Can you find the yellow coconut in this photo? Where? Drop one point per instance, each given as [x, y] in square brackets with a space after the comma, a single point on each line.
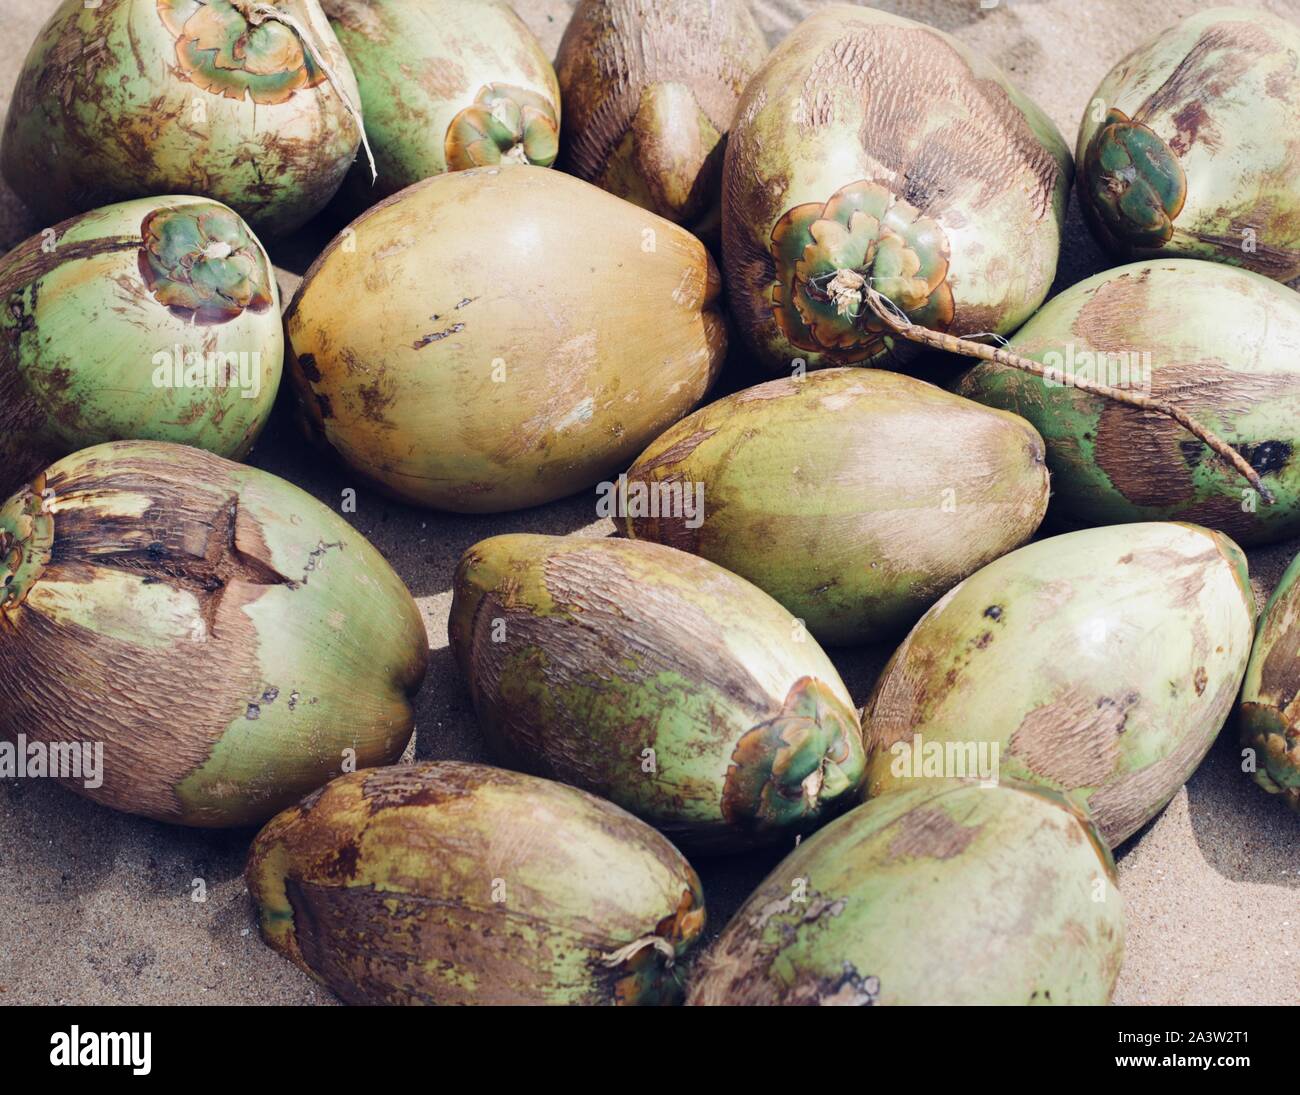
[492, 339]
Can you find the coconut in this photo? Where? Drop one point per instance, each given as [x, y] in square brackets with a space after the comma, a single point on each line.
[1100, 664]
[1188, 146]
[841, 175]
[854, 497]
[462, 884]
[155, 319]
[247, 102]
[445, 86]
[463, 345]
[657, 680]
[650, 90]
[962, 895]
[217, 638]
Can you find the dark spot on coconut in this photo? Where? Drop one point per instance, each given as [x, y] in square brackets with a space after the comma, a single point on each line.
[1189, 122]
[253, 712]
[324, 405]
[437, 336]
[307, 804]
[993, 612]
[1125, 800]
[307, 363]
[849, 988]
[1267, 456]
[376, 397]
[420, 785]
[1192, 450]
[343, 864]
[1199, 680]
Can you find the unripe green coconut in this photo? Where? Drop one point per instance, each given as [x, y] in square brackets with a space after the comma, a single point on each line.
[657, 680]
[156, 319]
[873, 151]
[228, 642]
[248, 102]
[960, 895]
[1222, 345]
[1269, 716]
[462, 884]
[1188, 145]
[1100, 664]
[854, 497]
[445, 85]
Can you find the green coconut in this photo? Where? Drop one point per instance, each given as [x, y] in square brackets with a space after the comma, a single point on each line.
[1188, 146]
[841, 174]
[225, 640]
[658, 680]
[966, 895]
[1268, 712]
[1100, 664]
[1221, 344]
[247, 102]
[155, 319]
[445, 86]
[854, 497]
[462, 884]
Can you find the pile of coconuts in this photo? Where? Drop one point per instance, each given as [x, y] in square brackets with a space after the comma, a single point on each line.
[550, 269]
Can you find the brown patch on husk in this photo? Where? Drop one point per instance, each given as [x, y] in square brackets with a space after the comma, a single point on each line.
[1145, 455]
[1126, 803]
[930, 833]
[1194, 78]
[1074, 741]
[63, 683]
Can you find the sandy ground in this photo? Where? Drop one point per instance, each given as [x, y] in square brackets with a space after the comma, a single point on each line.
[96, 907]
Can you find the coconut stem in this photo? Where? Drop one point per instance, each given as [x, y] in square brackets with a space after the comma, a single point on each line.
[258, 13]
[618, 957]
[896, 320]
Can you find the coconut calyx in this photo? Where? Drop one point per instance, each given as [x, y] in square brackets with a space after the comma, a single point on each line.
[257, 14]
[1136, 183]
[825, 255]
[26, 543]
[202, 263]
[801, 764]
[505, 124]
[646, 970]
